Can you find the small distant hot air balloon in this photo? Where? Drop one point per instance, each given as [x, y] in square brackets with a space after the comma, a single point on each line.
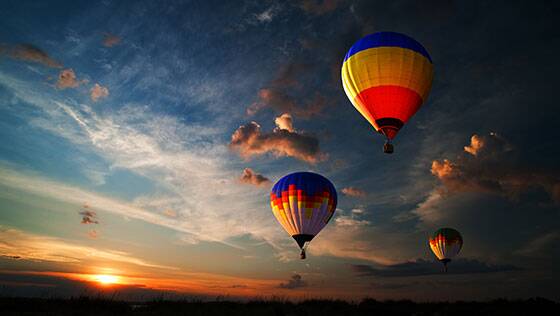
[303, 203]
[387, 76]
[446, 244]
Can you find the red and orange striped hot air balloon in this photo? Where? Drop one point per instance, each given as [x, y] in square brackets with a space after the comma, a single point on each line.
[446, 244]
[387, 76]
[303, 203]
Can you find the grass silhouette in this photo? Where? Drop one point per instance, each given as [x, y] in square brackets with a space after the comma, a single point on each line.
[84, 306]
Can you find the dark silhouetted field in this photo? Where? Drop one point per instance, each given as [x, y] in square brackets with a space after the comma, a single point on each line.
[89, 306]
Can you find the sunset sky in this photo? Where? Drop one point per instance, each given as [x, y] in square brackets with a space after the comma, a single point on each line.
[120, 169]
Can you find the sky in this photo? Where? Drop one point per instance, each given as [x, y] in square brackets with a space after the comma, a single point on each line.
[121, 155]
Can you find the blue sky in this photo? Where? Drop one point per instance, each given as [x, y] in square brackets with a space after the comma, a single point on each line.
[129, 109]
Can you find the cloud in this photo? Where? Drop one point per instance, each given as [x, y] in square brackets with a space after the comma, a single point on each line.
[282, 102]
[98, 92]
[26, 246]
[88, 216]
[354, 192]
[28, 52]
[182, 160]
[541, 246]
[284, 121]
[422, 267]
[170, 213]
[250, 177]
[268, 14]
[142, 286]
[67, 79]
[75, 195]
[248, 141]
[67, 285]
[93, 234]
[493, 180]
[276, 97]
[295, 282]
[319, 7]
[492, 166]
[476, 145]
[349, 236]
[110, 40]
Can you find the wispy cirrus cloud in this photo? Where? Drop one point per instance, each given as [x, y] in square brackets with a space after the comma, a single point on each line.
[350, 236]
[26, 246]
[540, 246]
[182, 160]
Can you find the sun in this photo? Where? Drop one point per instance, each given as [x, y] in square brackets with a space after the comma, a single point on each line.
[106, 279]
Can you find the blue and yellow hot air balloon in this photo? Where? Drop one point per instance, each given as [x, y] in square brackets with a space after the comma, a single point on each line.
[446, 244]
[303, 203]
[387, 76]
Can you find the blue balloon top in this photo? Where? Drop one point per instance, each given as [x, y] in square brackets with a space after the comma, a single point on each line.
[387, 39]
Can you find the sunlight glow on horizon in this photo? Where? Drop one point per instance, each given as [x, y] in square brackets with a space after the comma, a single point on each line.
[106, 279]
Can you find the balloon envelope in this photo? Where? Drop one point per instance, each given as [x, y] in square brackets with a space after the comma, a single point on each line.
[446, 243]
[387, 76]
[303, 203]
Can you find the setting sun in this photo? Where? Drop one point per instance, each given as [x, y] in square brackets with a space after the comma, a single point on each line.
[106, 279]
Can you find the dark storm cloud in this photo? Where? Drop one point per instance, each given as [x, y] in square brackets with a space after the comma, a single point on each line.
[251, 177]
[249, 141]
[424, 267]
[29, 52]
[295, 282]
[490, 164]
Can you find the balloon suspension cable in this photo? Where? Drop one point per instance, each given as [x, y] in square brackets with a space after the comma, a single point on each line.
[302, 254]
[388, 147]
[445, 262]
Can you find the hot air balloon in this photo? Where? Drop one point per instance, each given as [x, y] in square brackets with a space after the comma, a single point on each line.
[387, 76]
[303, 203]
[446, 244]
